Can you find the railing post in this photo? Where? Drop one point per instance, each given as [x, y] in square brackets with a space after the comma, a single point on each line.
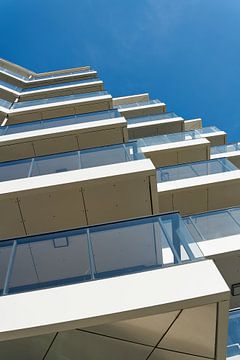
[10, 268]
[91, 256]
[30, 168]
[176, 257]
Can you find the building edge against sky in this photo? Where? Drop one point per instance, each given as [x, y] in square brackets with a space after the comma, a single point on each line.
[120, 225]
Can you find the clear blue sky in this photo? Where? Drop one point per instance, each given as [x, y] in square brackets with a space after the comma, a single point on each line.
[184, 52]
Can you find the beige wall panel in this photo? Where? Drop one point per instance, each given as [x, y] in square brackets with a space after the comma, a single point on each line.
[11, 220]
[28, 116]
[93, 106]
[30, 348]
[193, 153]
[156, 129]
[193, 332]
[223, 195]
[235, 160]
[160, 354]
[76, 345]
[193, 124]
[100, 138]
[55, 145]
[65, 111]
[141, 112]
[147, 330]
[16, 151]
[231, 274]
[190, 201]
[116, 200]
[53, 211]
[163, 157]
[165, 202]
[217, 139]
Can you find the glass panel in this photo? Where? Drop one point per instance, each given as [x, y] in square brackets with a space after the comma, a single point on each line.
[155, 117]
[5, 253]
[62, 75]
[97, 252]
[208, 129]
[50, 164]
[5, 103]
[67, 83]
[10, 86]
[52, 260]
[57, 99]
[169, 138]
[233, 347]
[55, 163]
[225, 148]
[215, 224]
[139, 103]
[61, 121]
[7, 71]
[12, 170]
[189, 170]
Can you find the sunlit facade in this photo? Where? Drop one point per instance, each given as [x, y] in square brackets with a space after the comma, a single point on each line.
[120, 225]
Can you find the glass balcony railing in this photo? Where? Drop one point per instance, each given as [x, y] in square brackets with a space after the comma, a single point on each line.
[208, 130]
[152, 118]
[69, 161]
[61, 74]
[95, 252]
[6, 104]
[169, 138]
[10, 72]
[214, 224]
[225, 148]
[56, 122]
[233, 346]
[137, 104]
[56, 99]
[10, 86]
[190, 170]
[68, 83]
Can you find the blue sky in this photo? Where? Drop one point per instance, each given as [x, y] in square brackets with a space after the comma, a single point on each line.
[184, 52]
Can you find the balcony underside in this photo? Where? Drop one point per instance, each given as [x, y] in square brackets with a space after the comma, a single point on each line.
[135, 317]
[77, 198]
[61, 139]
[200, 194]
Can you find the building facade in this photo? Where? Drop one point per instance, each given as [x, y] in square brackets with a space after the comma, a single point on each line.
[120, 225]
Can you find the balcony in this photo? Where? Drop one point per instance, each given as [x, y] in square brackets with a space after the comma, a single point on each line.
[74, 268]
[26, 111]
[75, 189]
[81, 255]
[11, 92]
[230, 151]
[175, 148]
[233, 347]
[214, 135]
[26, 78]
[67, 133]
[138, 105]
[197, 187]
[151, 125]
[217, 234]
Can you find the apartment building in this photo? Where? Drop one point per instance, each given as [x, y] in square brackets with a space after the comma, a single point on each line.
[120, 225]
